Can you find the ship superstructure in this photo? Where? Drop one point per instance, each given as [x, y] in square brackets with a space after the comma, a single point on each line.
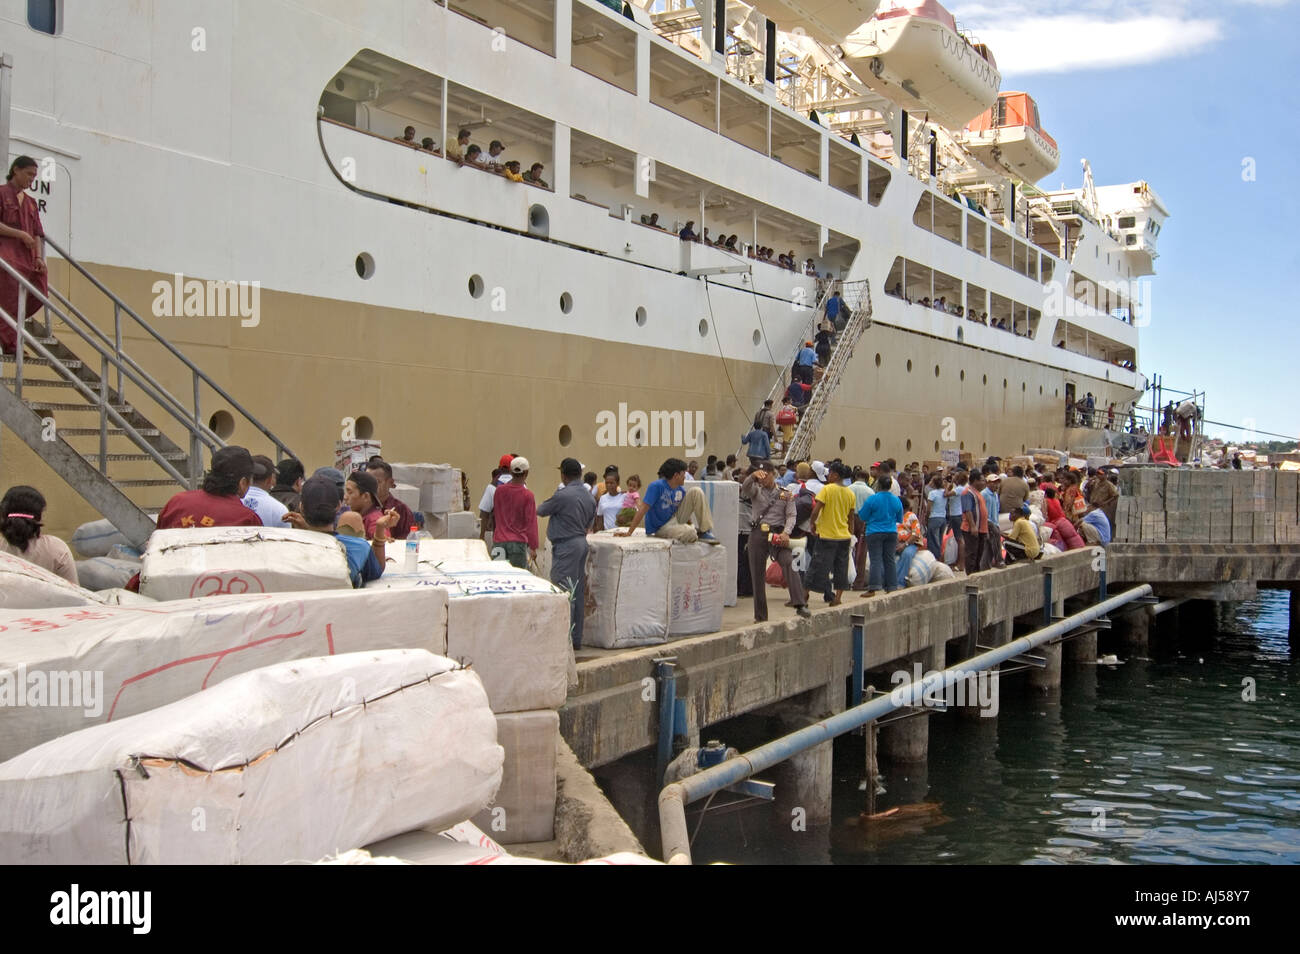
[459, 314]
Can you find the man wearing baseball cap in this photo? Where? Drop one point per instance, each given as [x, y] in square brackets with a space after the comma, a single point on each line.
[571, 510]
[515, 512]
[217, 503]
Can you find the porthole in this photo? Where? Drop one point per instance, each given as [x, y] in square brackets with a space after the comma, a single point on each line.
[566, 303]
[476, 286]
[961, 336]
[1058, 392]
[758, 337]
[909, 365]
[984, 448]
[640, 316]
[909, 443]
[877, 443]
[936, 447]
[221, 424]
[1004, 384]
[963, 374]
[1023, 386]
[877, 359]
[364, 428]
[539, 221]
[365, 264]
[962, 445]
[566, 435]
[986, 380]
[936, 370]
[1040, 390]
[704, 328]
[843, 443]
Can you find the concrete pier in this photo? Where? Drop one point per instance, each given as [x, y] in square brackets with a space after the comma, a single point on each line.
[1081, 650]
[803, 782]
[1048, 678]
[1133, 629]
[905, 738]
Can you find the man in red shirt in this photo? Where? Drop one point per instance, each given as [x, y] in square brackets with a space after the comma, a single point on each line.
[382, 471]
[218, 503]
[974, 524]
[515, 511]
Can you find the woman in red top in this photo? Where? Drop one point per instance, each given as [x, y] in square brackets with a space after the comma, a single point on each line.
[1051, 505]
[22, 246]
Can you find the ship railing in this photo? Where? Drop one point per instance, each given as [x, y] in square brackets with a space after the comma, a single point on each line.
[189, 416]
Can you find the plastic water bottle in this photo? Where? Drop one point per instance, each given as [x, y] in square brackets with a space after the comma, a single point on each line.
[412, 563]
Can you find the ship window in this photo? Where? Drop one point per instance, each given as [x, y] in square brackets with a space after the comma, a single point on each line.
[640, 316]
[476, 286]
[1127, 221]
[843, 443]
[45, 16]
[566, 435]
[566, 303]
[704, 328]
[1130, 240]
[365, 265]
[222, 424]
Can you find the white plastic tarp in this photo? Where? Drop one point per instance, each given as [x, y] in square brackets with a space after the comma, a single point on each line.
[512, 627]
[24, 585]
[524, 807]
[285, 763]
[106, 573]
[724, 504]
[696, 574]
[64, 669]
[627, 590]
[212, 561]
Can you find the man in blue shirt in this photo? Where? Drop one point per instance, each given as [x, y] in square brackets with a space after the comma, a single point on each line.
[833, 307]
[759, 446]
[667, 508]
[992, 501]
[320, 501]
[803, 363]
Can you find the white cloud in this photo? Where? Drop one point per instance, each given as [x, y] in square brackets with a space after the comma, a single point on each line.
[1057, 44]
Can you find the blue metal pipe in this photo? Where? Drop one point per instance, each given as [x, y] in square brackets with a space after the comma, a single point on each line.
[859, 659]
[675, 797]
[666, 677]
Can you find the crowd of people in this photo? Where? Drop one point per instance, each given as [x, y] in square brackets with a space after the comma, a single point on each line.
[467, 153]
[942, 304]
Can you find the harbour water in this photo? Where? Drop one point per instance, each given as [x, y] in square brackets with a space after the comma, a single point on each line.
[1189, 756]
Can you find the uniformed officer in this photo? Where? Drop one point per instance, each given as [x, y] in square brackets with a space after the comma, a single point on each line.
[571, 510]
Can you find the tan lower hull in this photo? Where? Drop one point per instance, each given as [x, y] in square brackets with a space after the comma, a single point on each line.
[448, 389]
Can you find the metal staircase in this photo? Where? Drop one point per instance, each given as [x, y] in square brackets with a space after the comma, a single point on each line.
[47, 383]
[857, 295]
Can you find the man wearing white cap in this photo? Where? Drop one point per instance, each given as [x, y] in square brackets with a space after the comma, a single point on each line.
[515, 511]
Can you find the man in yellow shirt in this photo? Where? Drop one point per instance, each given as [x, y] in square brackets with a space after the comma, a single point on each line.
[830, 521]
[1022, 541]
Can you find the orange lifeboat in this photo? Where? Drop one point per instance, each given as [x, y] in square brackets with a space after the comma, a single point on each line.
[1010, 137]
[913, 55]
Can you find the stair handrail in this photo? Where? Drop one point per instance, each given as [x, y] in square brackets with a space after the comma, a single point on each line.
[198, 373]
[859, 321]
[105, 407]
[109, 355]
[805, 332]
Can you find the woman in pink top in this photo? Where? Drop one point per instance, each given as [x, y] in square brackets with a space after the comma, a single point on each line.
[1064, 536]
[22, 245]
[20, 533]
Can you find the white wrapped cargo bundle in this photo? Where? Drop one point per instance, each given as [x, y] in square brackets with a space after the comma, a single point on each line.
[98, 537]
[926, 569]
[463, 844]
[452, 553]
[524, 807]
[24, 585]
[63, 670]
[512, 627]
[462, 525]
[627, 590]
[121, 597]
[180, 564]
[439, 484]
[106, 573]
[284, 763]
[724, 504]
[695, 577]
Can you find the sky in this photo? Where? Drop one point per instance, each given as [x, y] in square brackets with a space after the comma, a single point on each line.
[1182, 93]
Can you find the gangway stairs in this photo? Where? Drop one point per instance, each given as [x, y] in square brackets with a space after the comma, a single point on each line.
[857, 296]
[82, 409]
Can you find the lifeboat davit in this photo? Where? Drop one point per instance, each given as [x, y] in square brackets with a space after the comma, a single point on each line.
[913, 55]
[829, 21]
[1010, 137]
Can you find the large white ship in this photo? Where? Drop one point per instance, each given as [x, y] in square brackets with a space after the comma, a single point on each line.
[456, 314]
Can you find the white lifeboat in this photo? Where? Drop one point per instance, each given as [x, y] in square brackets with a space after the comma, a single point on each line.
[829, 21]
[1011, 138]
[913, 55]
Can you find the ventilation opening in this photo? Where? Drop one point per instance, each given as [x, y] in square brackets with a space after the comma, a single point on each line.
[758, 337]
[640, 316]
[222, 424]
[476, 286]
[704, 328]
[365, 265]
[877, 443]
[365, 428]
[566, 303]
[539, 221]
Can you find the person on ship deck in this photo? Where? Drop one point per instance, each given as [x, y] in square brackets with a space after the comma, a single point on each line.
[22, 246]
